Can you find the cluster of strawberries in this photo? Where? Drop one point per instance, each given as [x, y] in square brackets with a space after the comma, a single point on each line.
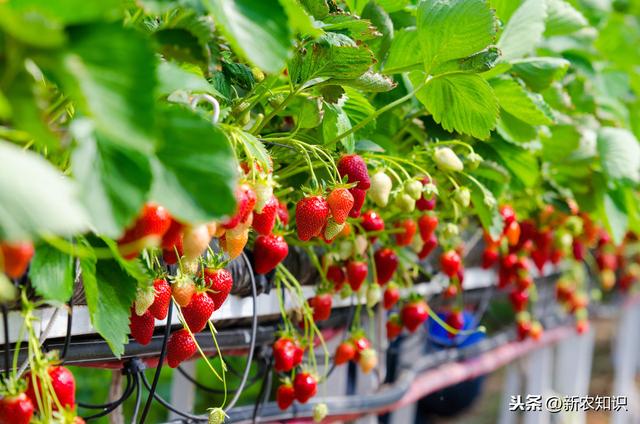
[288, 353]
[19, 405]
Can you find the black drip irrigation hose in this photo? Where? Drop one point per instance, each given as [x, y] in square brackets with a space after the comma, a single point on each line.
[7, 343]
[265, 389]
[67, 338]
[111, 406]
[136, 409]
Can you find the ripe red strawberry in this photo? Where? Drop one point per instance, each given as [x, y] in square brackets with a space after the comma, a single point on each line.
[311, 216]
[198, 311]
[358, 201]
[428, 246]
[305, 386]
[345, 352]
[335, 274]
[508, 214]
[519, 300]
[147, 231]
[394, 327]
[285, 395]
[356, 274]
[340, 202]
[512, 233]
[423, 203]
[172, 255]
[283, 214]
[234, 241]
[386, 262]
[361, 343]
[62, 382]
[450, 262]
[183, 289]
[180, 347]
[141, 327]
[321, 305]
[450, 291]
[406, 238]
[16, 409]
[15, 258]
[162, 296]
[355, 169]
[264, 222]
[523, 328]
[219, 283]
[413, 314]
[172, 236]
[372, 221]
[579, 250]
[245, 202]
[489, 257]
[455, 319]
[427, 224]
[268, 252]
[391, 296]
[298, 353]
[582, 326]
[284, 354]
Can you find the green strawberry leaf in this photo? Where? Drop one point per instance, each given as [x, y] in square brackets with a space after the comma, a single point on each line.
[523, 31]
[539, 72]
[453, 29]
[51, 273]
[619, 154]
[110, 292]
[520, 103]
[460, 102]
[40, 201]
[563, 18]
[257, 29]
[193, 160]
[114, 180]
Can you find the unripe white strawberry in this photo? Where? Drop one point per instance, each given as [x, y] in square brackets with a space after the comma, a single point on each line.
[462, 195]
[405, 203]
[216, 416]
[320, 411]
[368, 360]
[264, 191]
[345, 249]
[374, 294]
[447, 160]
[195, 241]
[8, 291]
[361, 244]
[144, 298]
[380, 188]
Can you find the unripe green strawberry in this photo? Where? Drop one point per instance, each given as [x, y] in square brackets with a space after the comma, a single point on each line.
[474, 161]
[413, 188]
[332, 229]
[320, 411]
[144, 298]
[447, 160]
[345, 249]
[405, 203]
[462, 196]
[380, 188]
[8, 291]
[216, 416]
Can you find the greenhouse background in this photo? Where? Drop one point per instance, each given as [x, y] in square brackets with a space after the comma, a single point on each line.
[381, 211]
